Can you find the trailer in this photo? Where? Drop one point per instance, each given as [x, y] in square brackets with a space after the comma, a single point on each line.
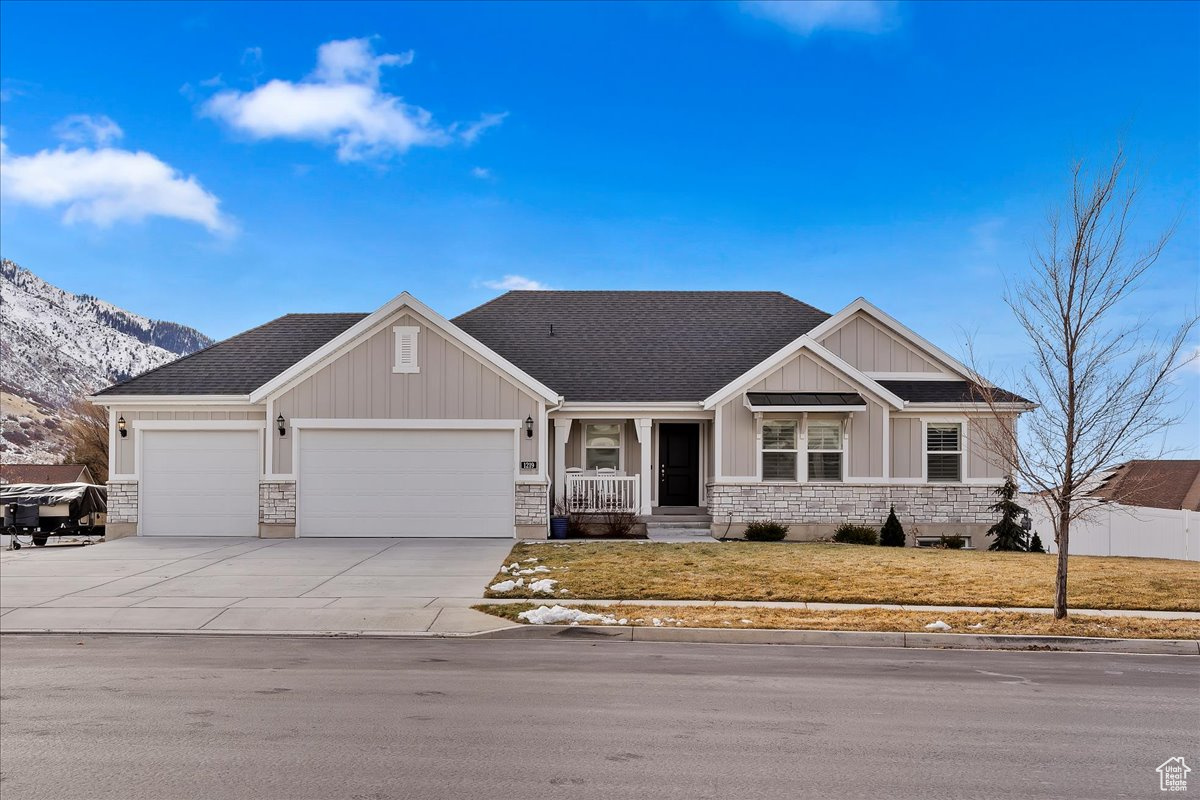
[42, 510]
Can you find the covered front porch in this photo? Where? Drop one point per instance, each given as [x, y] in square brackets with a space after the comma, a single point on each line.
[605, 460]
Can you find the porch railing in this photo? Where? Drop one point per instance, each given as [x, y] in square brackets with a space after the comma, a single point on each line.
[596, 494]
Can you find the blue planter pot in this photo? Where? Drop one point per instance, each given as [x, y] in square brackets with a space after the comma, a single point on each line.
[558, 527]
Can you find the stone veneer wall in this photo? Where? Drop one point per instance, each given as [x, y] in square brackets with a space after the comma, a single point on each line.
[277, 502]
[533, 504]
[122, 502]
[831, 503]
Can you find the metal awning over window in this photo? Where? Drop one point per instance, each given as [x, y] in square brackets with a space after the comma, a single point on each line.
[805, 401]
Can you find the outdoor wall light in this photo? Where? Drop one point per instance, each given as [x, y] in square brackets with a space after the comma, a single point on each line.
[1026, 522]
[280, 423]
[529, 427]
[121, 426]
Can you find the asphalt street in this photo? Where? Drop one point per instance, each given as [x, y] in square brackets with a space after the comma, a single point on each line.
[161, 718]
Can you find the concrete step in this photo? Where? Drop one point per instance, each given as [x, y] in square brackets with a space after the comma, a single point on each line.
[674, 522]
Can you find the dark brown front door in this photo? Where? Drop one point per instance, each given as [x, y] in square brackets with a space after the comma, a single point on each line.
[678, 464]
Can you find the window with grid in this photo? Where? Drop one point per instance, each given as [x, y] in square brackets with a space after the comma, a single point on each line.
[943, 452]
[824, 451]
[602, 445]
[779, 450]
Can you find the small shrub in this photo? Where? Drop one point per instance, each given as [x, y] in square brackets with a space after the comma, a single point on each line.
[619, 524]
[952, 542]
[575, 527]
[855, 534]
[1035, 544]
[892, 534]
[766, 531]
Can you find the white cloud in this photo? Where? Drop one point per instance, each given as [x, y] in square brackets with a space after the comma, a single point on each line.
[519, 282]
[806, 17]
[483, 173]
[88, 129]
[341, 103]
[471, 131]
[107, 185]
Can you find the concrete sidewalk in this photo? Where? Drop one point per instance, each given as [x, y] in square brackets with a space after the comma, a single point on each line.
[404, 586]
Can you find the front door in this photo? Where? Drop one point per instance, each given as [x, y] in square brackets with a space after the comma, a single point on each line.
[678, 464]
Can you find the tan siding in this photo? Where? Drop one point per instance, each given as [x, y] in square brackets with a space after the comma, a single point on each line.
[866, 441]
[871, 348]
[980, 462]
[453, 383]
[907, 449]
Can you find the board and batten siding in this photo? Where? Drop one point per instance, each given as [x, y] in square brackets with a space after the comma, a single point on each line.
[864, 344]
[123, 458]
[802, 373]
[453, 383]
[908, 447]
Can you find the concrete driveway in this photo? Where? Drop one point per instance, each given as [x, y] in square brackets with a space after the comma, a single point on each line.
[233, 584]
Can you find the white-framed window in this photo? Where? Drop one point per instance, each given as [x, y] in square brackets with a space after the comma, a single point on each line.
[943, 452]
[779, 449]
[602, 445]
[406, 348]
[825, 451]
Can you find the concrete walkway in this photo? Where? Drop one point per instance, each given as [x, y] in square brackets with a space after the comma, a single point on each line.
[415, 586]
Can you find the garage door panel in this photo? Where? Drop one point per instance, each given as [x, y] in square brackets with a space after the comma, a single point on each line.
[199, 483]
[406, 483]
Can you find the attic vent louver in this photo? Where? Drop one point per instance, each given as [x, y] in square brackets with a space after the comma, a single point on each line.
[406, 348]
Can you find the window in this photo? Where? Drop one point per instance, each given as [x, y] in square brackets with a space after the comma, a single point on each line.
[778, 450]
[824, 451]
[943, 451]
[602, 445]
[406, 348]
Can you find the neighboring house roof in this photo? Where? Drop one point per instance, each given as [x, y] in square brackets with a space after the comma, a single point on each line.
[1161, 483]
[45, 473]
[240, 364]
[946, 392]
[630, 346]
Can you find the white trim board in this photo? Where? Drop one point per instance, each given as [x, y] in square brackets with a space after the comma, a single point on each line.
[379, 319]
[198, 424]
[410, 424]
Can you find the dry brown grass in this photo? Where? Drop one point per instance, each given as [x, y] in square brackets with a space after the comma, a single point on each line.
[854, 574]
[878, 619]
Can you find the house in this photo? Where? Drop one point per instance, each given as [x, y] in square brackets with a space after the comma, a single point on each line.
[1144, 508]
[45, 473]
[733, 405]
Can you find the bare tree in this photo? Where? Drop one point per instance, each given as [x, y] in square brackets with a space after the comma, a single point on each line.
[87, 438]
[1102, 386]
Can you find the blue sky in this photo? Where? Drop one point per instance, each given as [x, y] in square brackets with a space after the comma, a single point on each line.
[905, 152]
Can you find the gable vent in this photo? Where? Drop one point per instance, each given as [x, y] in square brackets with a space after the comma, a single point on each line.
[406, 348]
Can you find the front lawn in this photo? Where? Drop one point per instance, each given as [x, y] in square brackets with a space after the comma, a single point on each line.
[847, 574]
[875, 619]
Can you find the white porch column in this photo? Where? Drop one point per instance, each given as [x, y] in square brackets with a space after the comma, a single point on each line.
[562, 432]
[643, 426]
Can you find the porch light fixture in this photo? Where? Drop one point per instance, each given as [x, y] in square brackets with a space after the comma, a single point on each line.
[529, 427]
[1026, 522]
[280, 423]
[121, 426]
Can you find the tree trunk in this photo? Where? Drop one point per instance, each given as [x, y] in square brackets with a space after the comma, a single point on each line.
[1062, 537]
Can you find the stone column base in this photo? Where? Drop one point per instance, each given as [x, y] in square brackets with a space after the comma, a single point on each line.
[269, 531]
[119, 530]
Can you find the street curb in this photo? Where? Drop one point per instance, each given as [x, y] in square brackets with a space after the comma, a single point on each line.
[956, 641]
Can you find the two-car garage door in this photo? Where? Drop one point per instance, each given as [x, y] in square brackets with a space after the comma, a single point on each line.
[349, 482]
[418, 482]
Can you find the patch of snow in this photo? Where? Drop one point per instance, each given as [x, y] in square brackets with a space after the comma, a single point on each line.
[556, 615]
[544, 586]
[507, 586]
[977, 625]
[746, 621]
[530, 561]
[937, 626]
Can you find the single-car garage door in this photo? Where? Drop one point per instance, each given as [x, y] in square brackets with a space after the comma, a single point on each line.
[199, 482]
[405, 482]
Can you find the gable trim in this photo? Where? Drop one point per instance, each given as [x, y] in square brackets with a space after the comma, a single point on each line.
[804, 342]
[363, 329]
[894, 326]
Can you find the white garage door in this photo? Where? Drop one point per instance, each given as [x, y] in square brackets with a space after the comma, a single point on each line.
[405, 482]
[199, 483]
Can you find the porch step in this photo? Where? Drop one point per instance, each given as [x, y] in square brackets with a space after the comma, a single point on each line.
[689, 523]
[679, 519]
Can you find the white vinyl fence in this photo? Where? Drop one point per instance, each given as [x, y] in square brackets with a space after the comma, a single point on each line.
[1111, 529]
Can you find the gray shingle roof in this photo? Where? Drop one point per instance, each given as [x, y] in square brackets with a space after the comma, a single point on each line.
[612, 346]
[944, 392]
[242, 363]
[784, 399]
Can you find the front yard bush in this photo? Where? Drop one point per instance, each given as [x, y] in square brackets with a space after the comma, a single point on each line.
[855, 534]
[952, 542]
[892, 534]
[766, 531]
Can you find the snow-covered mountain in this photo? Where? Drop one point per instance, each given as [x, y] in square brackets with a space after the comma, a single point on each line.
[56, 347]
